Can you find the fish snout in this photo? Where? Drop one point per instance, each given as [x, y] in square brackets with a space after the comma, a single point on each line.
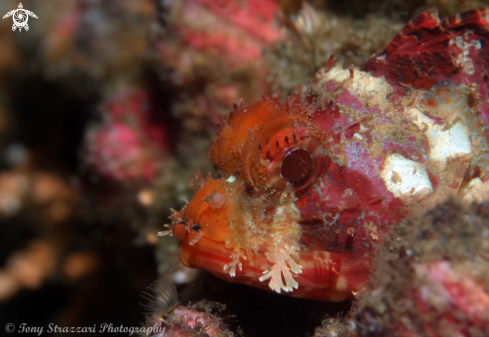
[207, 215]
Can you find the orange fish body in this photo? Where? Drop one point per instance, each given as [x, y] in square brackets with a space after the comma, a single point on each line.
[309, 185]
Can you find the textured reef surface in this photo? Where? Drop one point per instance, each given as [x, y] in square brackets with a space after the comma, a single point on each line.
[323, 165]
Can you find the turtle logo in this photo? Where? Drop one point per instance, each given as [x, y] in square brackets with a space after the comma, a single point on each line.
[20, 16]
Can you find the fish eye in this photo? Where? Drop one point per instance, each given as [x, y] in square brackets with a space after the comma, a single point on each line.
[290, 160]
[296, 168]
[296, 165]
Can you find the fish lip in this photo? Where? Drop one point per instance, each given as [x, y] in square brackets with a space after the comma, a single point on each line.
[213, 256]
[204, 244]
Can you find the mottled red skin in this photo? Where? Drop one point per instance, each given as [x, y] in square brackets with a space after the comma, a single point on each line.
[347, 204]
[421, 55]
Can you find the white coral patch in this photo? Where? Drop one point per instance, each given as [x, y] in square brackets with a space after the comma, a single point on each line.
[476, 191]
[453, 142]
[337, 74]
[405, 177]
[357, 137]
[363, 85]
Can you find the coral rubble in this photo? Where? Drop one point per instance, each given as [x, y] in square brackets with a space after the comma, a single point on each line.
[432, 279]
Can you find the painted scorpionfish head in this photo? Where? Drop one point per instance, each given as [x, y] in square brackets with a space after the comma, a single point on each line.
[307, 187]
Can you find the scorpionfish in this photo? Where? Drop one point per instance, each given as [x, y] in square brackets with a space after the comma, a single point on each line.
[305, 188]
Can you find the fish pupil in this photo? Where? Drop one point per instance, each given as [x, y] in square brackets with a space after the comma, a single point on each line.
[297, 165]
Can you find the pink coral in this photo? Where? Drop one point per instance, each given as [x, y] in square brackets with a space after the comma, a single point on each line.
[435, 281]
[177, 320]
[450, 289]
[118, 152]
[213, 51]
[239, 31]
[128, 146]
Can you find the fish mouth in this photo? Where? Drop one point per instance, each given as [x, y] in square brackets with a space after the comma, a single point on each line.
[317, 281]
[198, 251]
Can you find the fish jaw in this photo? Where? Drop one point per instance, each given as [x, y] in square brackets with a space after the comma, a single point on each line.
[208, 242]
[325, 276]
[215, 258]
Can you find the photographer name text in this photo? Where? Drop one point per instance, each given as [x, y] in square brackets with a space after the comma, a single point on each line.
[102, 328]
